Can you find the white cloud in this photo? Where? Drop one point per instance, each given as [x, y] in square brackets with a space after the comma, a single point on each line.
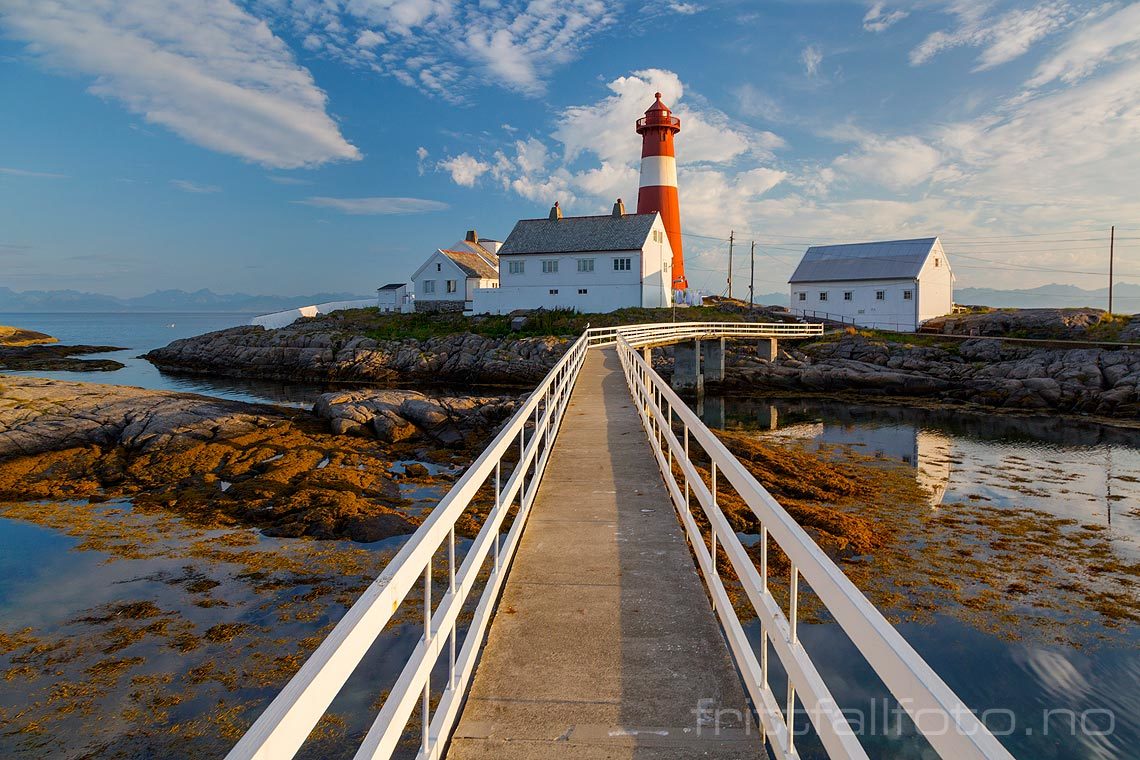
[1115, 38]
[896, 163]
[187, 186]
[11, 172]
[685, 9]
[464, 169]
[811, 58]
[447, 48]
[1002, 37]
[878, 20]
[205, 69]
[376, 206]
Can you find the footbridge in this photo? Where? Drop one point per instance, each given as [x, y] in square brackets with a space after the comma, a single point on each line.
[597, 613]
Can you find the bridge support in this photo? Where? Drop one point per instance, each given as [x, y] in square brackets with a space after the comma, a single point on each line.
[712, 360]
[647, 354]
[767, 349]
[687, 367]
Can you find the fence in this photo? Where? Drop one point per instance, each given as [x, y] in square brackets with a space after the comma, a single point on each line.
[959, 735]
[281, 730]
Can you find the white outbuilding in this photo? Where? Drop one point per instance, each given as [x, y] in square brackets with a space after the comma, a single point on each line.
[394, 298]
[587, 263]
[890, 285]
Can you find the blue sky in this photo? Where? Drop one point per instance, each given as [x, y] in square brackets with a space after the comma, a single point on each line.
[289, 146]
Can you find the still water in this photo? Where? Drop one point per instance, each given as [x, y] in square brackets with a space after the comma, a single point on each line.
[1074, 695]
[140, 333]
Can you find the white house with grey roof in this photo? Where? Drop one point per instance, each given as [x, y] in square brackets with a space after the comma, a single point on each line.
[586, 263]
[891, 285]
[447, 281]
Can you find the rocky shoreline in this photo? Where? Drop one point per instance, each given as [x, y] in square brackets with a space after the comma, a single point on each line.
[287, 472]
[310, 352]
[991, 373]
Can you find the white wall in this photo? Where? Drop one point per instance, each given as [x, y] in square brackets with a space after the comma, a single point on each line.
[646, 283]
[439, 269]
[893, 312]
[393, 300]
[289, 316]
[936, 286]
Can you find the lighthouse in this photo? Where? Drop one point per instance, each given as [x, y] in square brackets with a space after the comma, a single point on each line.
[658, 189]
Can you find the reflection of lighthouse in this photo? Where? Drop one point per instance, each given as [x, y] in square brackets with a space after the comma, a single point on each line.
[658, 191]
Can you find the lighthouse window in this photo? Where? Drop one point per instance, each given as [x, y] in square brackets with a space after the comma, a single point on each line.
[622, 265]
[550, 266]
[585, 265]
[516, 267]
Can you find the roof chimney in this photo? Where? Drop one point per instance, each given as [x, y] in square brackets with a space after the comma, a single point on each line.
[555, 212]
[619, 208]
[472, 236]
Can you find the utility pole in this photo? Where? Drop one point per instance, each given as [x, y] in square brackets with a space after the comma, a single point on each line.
[752, 278]
[1111, 251]
[731, 237]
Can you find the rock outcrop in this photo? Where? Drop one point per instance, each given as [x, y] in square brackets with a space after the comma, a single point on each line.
[53, 358]
[310, 352]
[17, 336]
[396, 415]
[1061, 324]
[990, 372]
[228, 462]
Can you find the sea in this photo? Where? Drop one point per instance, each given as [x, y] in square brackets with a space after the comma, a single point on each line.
[137, 334]
[1049, 692]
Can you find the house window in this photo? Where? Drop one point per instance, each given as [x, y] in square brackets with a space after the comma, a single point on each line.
[516, 267]
[802, 295]
[908, 295]
[429, 286]
[582, 291]
[880, 295]
[554, 291]
[550, 266]
[439, 267]
[937, 262]
[823, 295]
[451, 286]
[658, 236]
[622, 265]
[585, 265]
[848, 295]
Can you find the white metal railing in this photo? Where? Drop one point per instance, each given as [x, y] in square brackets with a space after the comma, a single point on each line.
[950, 727]
[673, 332]
[281, 730]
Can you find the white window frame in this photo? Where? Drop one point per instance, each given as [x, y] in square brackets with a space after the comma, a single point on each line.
[823, 295]
[880, 295]
[848, 295]
[429, 286]
[585, 265]
[623, 264]
[516, 267]
[452, 286]
[908, 295]
[802, 295]
[554, 291]
[550, 266]
[582, 291]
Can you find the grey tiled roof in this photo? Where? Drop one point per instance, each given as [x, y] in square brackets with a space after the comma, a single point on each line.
[472, 264]
[572, 234]
[883, 260]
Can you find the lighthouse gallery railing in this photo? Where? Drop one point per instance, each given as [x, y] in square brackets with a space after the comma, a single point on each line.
[283, 727]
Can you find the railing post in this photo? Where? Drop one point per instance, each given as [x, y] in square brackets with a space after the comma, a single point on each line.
[793, 610]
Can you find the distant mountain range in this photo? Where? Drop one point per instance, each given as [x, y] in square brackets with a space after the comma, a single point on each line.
[1126, 299]
[40, 301]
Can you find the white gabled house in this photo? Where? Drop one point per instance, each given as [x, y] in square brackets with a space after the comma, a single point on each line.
[891, 285]
[586, 263]
[447, 281]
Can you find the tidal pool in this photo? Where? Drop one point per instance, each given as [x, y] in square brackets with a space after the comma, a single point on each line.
[1015, 576]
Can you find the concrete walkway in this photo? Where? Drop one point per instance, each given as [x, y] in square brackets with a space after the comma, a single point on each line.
[604, 644]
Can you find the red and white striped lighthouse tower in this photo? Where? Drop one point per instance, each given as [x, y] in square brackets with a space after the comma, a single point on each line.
[658, 191]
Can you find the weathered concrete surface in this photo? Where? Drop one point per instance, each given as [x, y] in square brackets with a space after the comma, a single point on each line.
[604, 643]
[687, 375]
